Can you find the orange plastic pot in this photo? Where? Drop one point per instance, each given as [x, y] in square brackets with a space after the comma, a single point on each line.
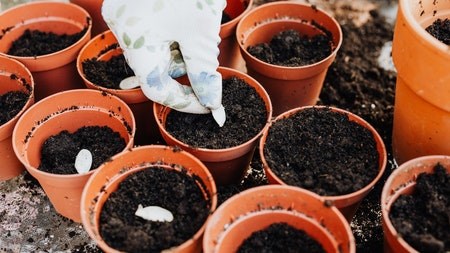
[109, 175]
[69, 110]
[94, 7]
[229, 164]
[402, 182]
[288, 87]
[257, 208]
[14, 76]
[53, 72]
[103, 47]
[230, 55]
[422, 104]
[348, 203]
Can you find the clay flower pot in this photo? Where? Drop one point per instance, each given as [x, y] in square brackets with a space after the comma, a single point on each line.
[111, 174]
[346, 203]
[94, 7]
[288, 87]
[229, 164]
[230, 55]
[257, 208]
[402, 182]
[14, 76]
[69, 110]
[56, 71]
[422, 107]
[103, 47]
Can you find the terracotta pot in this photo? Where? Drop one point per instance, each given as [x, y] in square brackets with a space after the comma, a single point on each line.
[230, 55]
[56, 71]
[69, 110]
[103, 47]
[288, 87]
[257, 208]
[10, 165]
[109, 175]
[229, 164]
[94, 7]
[422, 104]
[348, 203]
[402, 181]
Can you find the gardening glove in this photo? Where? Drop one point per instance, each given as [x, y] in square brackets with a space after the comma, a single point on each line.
[153, 32]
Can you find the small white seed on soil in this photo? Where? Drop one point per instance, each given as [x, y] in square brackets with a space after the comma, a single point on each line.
[129, 83]
[154, 213]
[83, 161]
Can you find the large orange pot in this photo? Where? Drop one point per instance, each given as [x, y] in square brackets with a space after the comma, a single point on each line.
[69, 110]
[422, 104]
[257, 208]
[347, 203]
[227, 165]
[107, 178]
[14, 76]
[94, 7]
[56, 71]
[288, 87]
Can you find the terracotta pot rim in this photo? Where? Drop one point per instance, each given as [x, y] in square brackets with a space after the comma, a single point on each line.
[419, 31]
[27, 5]
[293, 20]
[389, 196]
[234, 21]
[378, 140]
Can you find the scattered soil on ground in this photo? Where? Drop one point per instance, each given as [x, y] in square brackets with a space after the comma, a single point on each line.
[422, 218]
[35, 43]
[292, 49]
[246, 116]
[170, 189]
[440, 29]
[280, 237]
[108, 73]
[59, 151]
[11, 103]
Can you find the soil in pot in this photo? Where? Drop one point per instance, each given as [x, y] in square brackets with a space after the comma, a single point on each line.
[35, 43]
[246, 116]
[108, 73]
[170, 189]
[322, 151]
[422, 217]
[11, 103]
[59, 151]
[292, 49]
[440, 29]
[225, 18]
[280, 237]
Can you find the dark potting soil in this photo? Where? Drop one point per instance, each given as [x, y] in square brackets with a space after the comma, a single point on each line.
[422, 218]
[59, 151]
[292, 49]
[322, 151]
[440, 29]
[280, 237]
[170, 189]
[246, 116]
[10, 104]
[108, 73]
[36, 43]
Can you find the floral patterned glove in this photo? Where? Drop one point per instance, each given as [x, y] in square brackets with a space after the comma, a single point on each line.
[150, 33]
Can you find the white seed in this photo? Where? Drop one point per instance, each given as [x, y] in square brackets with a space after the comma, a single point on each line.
[83, 161]
[129, 83]
[154, 213]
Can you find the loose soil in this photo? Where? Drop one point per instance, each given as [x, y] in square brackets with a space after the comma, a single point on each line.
[108, 73]
[11, 103]
[170, 189]
[292, 49]
[440, 29]
[35, 43]
[280, 237]
[59, 151]
[422, 218]
[322, 151]
[246, 116]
